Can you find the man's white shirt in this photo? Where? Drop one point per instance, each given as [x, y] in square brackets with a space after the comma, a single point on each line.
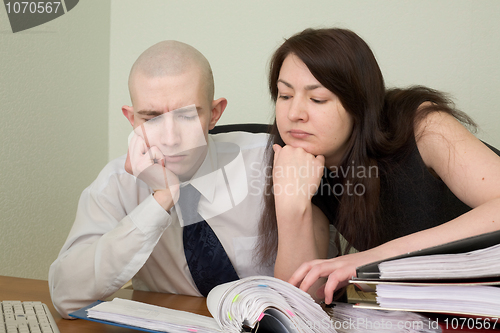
[122, 233]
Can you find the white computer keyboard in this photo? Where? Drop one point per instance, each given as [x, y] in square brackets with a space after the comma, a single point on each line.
[26, 317]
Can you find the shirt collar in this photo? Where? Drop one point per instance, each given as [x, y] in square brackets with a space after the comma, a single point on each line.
[203, 180]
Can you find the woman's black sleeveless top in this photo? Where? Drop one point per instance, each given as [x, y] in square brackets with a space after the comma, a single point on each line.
[411, 199]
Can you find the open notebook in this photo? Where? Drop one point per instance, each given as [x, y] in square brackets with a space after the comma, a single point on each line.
[258, 304]
[261, 303]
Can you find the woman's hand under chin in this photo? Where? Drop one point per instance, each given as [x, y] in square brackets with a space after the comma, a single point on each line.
[296, 173]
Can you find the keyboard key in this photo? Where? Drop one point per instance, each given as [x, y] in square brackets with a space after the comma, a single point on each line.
[26, 317]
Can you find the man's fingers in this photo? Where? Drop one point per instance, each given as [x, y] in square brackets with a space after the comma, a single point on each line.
[145, 136]
[136, 141]
[128, 164]
[148, 164]
[136, 151]
[155, 155]
[171, 181]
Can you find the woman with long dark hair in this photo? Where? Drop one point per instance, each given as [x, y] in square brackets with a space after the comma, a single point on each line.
[392, 170]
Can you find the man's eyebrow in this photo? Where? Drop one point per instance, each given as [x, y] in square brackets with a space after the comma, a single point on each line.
[309, 87]
[187, 109]
[149, 112]
[159, 113]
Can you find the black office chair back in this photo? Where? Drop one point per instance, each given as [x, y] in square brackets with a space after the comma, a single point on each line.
[252, 128]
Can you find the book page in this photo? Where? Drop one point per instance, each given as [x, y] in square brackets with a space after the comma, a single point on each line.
[475, 264]
[152, 317]
[473, 300]
[461, 246]
[215, 296]
[352, 319]
[246, 302]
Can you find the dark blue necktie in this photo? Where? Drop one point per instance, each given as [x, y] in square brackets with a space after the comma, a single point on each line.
[206, 258]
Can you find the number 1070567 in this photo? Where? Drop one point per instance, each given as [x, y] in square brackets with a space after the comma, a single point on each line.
[471, 323]
[32, 7]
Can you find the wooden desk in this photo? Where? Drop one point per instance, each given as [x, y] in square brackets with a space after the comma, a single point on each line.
[12, 288]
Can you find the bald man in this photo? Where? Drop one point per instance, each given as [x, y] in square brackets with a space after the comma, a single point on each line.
[132, 220]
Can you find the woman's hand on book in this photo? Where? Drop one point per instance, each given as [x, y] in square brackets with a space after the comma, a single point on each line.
[338, 271]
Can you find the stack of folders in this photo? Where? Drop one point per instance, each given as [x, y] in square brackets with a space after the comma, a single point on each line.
[460, 278]
[258, 304]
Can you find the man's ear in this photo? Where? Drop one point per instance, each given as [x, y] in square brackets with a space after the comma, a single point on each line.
[128, 112]
[218, 107]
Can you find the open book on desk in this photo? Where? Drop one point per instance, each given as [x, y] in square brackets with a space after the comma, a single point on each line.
[258, 304]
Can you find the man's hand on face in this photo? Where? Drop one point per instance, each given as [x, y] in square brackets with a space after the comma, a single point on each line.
[148, 164]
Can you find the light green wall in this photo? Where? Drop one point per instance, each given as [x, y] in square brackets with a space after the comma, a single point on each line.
[53, 130]
[451, 45]
[62, 85]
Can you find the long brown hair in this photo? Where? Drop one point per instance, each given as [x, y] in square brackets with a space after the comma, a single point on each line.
[383, 127]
